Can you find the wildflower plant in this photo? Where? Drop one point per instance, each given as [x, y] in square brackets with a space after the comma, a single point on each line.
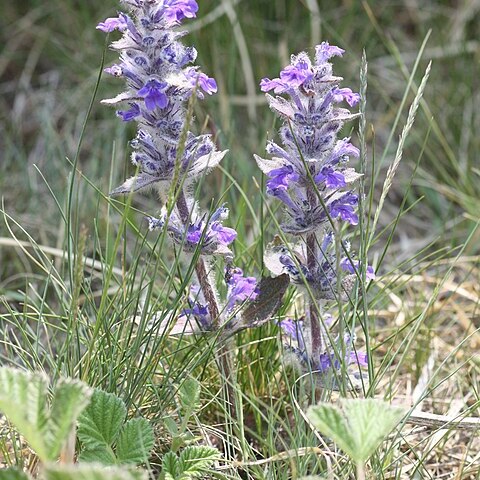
[309, 174]
[162, 85]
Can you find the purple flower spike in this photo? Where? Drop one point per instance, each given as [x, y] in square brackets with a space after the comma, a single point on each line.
[177, 10]
[306, 102]
[154, 93]
[113, 23]
[160, 77]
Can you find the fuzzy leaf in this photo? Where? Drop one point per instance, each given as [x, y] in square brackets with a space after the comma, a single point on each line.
[360, 428]
[329, 420]
[23, 400]
[268, 301]
[13, 473]
[189, 394]
[133, 184]
[135, 441]
[281, 106]
[100, 454]
[171, 425]
[206, 162]
[195, 460]
[100, 423]
[170, 466]
[266, 165]
[121, 97]
[92, 472]
[370, 421]
[70, 399]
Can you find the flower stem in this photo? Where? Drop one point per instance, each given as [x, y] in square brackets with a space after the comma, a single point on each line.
[315, 325]
[224, 357]
[314, 313]
[200, 267]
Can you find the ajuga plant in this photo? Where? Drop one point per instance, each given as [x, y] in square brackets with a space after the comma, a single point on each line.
[309, 174]
[162, 85]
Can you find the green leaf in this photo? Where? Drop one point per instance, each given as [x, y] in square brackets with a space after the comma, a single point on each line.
[195, 460]
[13, 473]
[171, 425]
[70, 399]
[100, 454]
[370, 420]
[170, 466]
[360, 428]
[135, 441]
[100, 423]
[23, 400]
[329, 420]
[178, 442]
[92, 472]
[189, 394]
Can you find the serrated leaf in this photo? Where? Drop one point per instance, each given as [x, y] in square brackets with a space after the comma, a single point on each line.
[194, 460]
[13, 473]
[370, 420]
[23, 400]
[329, 420]
[100, 454]
[92, 472]
[101, 421]
[360, 428]
[189, 394]
[135, 441]
[170, 466]
[70, 399]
